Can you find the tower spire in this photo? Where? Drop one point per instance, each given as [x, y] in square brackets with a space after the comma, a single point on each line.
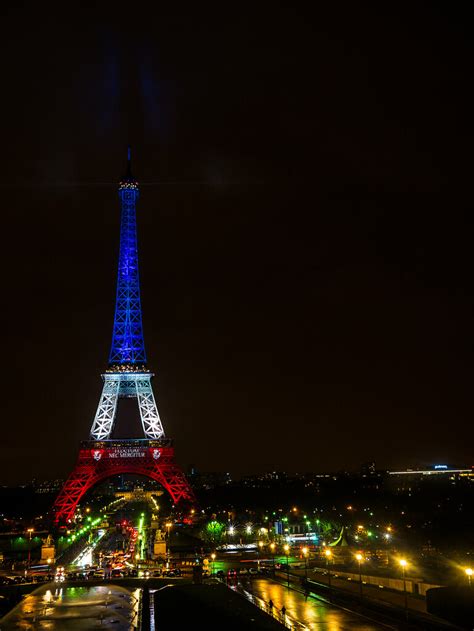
[128, 173]
[128, 346]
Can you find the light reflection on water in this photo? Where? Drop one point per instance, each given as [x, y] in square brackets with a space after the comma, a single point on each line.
[52, 608]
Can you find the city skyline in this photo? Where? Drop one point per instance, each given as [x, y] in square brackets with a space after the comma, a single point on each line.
[306, 275]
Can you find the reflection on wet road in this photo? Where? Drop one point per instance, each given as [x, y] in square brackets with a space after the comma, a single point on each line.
[313, 613]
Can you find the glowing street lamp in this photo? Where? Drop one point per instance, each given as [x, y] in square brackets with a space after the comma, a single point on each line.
[360, 559]
[213, 557]
[286, 548]
[403, 563]
[328, 554]
[469, 572]
[168, 527]
[260, 546]
[272, 548]
[305, 554]
[30, 531]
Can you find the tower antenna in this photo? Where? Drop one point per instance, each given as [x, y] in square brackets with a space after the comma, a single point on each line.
[129, 163]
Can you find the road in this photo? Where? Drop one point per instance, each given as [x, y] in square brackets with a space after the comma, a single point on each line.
[312, 613]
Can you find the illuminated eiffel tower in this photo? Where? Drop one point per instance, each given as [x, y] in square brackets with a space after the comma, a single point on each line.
[126, 376]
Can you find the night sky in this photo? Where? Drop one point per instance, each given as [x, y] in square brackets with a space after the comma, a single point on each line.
[305, 229]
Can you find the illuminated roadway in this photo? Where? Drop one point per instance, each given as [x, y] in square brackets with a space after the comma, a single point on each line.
[371, 592]
[313, 613]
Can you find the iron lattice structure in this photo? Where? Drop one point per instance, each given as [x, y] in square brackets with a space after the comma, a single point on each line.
[99, 460]
[126, 376]
[128, 346]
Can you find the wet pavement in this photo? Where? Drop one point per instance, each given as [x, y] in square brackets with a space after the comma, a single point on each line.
[311, 612]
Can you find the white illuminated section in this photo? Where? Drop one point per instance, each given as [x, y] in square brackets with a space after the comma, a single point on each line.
[130, 385]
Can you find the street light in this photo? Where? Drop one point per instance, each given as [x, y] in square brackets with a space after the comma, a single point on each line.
[360, 559]
[404, 563]
[328, 555]
[286, 548]
[260, 546]
[469, 572]
[272, 548]
[305, 554]
[213, 557]
[168, 526]
[30, 531]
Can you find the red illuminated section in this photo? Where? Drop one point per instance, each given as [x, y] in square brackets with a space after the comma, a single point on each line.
[97, 461]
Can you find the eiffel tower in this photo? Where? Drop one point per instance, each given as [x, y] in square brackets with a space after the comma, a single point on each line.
[126, 376]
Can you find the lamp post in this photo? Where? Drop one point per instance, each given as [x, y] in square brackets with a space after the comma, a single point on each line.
[30, 531]
[272, 548]
[286, 548]
[327, 554]
[360, 558]
[213, 557]
[260, 546]
[469, 572]
[403, 563]
[305, 554]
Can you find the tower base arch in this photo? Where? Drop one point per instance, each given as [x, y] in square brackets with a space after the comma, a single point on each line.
[99, 460]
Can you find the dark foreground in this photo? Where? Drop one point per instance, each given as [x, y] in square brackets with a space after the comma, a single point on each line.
[213, 607]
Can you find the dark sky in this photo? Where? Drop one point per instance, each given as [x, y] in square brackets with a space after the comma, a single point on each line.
[305, 229]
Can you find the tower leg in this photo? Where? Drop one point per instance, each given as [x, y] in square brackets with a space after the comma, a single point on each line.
[82, 478]
[170, 476]
[105, 415]
[148, 411]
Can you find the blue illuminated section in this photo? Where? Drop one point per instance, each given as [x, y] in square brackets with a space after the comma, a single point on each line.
[128, 346]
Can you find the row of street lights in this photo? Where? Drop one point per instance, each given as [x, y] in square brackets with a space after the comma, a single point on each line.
[403, 564]
[328, 554]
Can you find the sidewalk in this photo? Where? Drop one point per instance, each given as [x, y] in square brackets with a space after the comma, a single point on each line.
[370, 591]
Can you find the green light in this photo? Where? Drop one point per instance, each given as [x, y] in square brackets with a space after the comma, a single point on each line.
[369, 534]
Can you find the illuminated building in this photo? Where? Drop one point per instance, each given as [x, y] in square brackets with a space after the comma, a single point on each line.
[127, 376]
